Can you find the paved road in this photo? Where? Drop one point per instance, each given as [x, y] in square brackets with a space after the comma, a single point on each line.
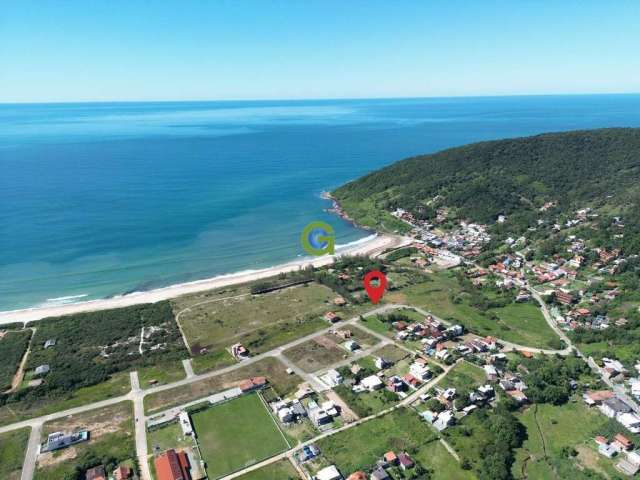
[29, 465]
[140, 426]
[188, 367]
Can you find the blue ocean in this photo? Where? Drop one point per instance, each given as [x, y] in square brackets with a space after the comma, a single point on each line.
[101, 199]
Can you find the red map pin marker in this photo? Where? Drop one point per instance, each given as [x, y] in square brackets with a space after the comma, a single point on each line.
[375, 292]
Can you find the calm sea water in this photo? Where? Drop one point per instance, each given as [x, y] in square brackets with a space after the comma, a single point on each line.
[101, 199]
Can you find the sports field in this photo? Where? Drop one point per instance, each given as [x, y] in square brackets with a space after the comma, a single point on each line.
[237, 434]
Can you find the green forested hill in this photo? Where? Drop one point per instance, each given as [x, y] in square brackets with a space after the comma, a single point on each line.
[513, 177]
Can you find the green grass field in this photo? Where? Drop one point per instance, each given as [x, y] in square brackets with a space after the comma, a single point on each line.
[280, 470]
[549, 429]
[13, 446]
[464, 375]
[521, 323]
[360, 447]
[237, 434]
[166, 437]
[161, 374]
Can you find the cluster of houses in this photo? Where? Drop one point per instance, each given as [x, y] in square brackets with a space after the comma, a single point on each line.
[380, 470]
[620, 445]
[123, 472]
[614, 407]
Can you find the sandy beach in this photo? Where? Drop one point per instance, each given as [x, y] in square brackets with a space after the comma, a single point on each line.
[370, 247]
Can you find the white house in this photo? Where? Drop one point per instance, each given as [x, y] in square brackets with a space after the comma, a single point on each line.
[185, 423]
[351, 346]
[631, 421]
[372, 383]
[421, 372]
[332, 378]
[329, 473]
[444, 420]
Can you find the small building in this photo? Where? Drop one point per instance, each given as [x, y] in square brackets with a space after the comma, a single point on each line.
[491, 372]
[621, 442]
[359, 475]
[381, 363]
[339, 301]
[122, 473]
[50, 343]
[333, 378]
[406, 462]
[597, 397]
[607, 450]
[331, 317]
[254, 383]
[614, 407]
[329, 473]
[96, 473]
[391, 458]
[42, 369]
[380, 474]
[372, 383]
[351, 345]
[239, 351]
[185, 423]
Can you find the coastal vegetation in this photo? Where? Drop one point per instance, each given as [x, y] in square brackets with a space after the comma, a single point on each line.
[85, 352]
[13, 345]
[513, 177]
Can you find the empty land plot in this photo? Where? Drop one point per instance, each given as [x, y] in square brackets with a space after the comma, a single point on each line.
[280, 470]
[260, 322]
[237, 434]
[271, 368]
[317, 353]
[13, 446]
[110, 437]
[464, 375]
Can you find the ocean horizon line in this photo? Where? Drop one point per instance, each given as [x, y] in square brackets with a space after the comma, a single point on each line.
[318, 99]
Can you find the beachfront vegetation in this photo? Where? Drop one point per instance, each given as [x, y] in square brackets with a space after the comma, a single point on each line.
[236, 434]
[13, 345]
[90, 348]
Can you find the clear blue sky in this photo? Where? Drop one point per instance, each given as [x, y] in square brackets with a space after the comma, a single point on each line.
[79, 50]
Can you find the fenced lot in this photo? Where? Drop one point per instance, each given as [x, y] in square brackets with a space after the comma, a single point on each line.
[236, 434]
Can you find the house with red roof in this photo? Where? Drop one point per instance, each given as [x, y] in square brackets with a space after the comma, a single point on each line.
[172, 465]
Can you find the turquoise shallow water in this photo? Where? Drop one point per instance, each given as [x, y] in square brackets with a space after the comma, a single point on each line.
[102, 199]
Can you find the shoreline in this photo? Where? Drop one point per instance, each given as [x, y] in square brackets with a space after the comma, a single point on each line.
[372, 247]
